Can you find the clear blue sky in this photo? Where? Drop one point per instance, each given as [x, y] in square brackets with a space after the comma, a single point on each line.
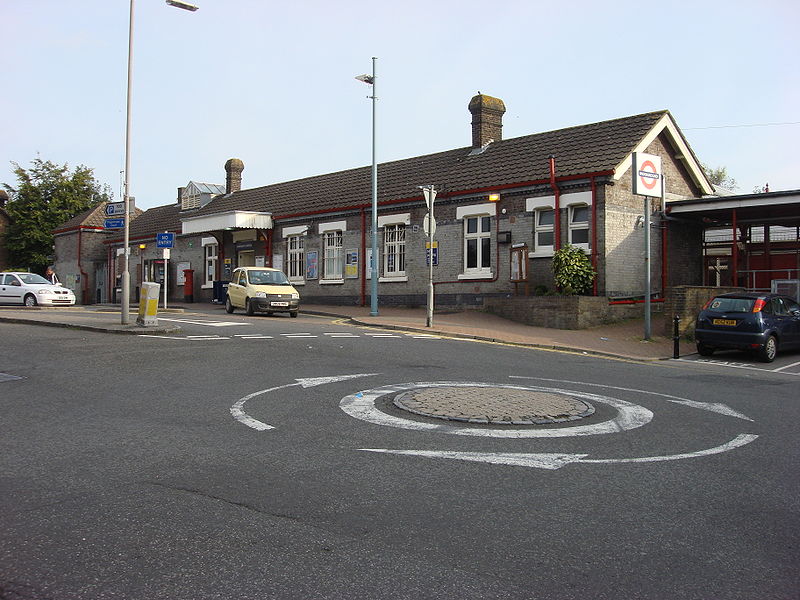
[273, 82]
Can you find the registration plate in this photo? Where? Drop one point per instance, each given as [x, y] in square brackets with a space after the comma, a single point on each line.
[725, 322]
[279, 304]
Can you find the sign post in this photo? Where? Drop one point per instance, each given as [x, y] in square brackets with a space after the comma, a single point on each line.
[648, 181]
[165, 241]
[429, 192]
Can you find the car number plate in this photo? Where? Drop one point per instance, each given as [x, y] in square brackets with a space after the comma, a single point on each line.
[279, 303]
[726, 322]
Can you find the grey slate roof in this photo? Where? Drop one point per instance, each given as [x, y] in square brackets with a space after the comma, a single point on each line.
[580, 150]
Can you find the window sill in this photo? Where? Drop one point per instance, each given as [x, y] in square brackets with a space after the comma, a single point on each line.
[331, 281]
[543, 254]
[297, 281]
[398, 279]
[476, 275]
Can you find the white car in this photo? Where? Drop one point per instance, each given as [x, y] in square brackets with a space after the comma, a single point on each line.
[31, 289]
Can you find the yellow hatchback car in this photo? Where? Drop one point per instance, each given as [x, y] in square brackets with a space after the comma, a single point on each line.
[261, 289]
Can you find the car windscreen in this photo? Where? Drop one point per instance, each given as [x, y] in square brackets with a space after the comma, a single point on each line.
[742, 305]
[267, 278]
[33, 278]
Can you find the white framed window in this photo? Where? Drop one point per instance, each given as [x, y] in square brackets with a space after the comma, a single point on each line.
[394, 250]
[478, 245]
[210, 257]
[296, 261]
[543, 230]
[332, 257]
[579, 226]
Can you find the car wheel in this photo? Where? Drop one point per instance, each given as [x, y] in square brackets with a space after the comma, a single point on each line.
[248, 307]
[30, 300]
[704, 350]
[228, 305]
[769, 350]
[293, 314]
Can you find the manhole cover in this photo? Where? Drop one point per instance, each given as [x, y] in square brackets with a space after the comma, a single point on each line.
[496, 406]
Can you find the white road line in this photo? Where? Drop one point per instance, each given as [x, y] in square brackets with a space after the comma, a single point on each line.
[426, 336]
[298, 335]
[184, 338]
[361, 405]
[254, 337]
[786, 367]
[718, 407]
[7, 377]
[209, 323]
[556, 461]
[342, 335]
[733, 365]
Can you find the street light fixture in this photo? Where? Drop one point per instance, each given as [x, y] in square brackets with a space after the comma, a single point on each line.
[126, 275]
[370, 80]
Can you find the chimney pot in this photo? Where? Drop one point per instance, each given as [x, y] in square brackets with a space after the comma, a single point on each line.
[487, 119]
[233, 175]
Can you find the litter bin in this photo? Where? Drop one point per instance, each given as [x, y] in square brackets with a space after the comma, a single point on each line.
[117, 295]
[220, 292]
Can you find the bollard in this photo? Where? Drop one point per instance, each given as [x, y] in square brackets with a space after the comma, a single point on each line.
[676, 337]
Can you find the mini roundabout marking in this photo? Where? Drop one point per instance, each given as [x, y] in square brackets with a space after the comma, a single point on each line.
[363, 406]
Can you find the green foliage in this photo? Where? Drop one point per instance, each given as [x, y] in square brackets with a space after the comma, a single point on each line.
[720, 177]
[46, 196]
[572, 270]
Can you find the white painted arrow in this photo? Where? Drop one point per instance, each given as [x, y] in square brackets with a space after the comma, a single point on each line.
[716, 407]
[556, 461]
[237, 410]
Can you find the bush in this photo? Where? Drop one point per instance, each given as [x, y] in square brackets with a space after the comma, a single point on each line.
[572, 270]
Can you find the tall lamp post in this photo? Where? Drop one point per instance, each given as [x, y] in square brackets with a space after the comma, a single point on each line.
[370, 80]
[126, 275]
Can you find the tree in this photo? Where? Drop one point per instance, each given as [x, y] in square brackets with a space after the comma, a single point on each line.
[572, 270]
[46, 196]
[720, 177]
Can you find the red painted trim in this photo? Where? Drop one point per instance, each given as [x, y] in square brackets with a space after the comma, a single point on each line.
[557, 205]
[664, 257]
[634, 301]
[734, 251]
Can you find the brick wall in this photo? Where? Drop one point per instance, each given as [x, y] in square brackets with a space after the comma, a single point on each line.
[562, 312]
[686, 301]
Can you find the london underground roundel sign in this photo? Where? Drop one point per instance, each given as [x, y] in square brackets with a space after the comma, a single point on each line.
[647, 175]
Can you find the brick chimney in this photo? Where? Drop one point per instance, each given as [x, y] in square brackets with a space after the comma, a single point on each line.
[233, 175]
[487, 119]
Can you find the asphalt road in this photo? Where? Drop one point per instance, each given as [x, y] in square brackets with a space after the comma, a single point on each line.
[225, 466]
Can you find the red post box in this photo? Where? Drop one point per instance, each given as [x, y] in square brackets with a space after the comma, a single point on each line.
[188, 285]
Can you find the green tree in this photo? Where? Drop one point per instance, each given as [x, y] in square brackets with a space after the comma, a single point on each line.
[572, 270]
[46, 195]
[720, 177]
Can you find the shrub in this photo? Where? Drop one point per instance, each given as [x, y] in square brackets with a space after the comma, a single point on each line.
[572, 270]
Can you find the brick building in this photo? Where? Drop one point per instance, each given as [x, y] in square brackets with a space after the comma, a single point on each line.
[496, 197]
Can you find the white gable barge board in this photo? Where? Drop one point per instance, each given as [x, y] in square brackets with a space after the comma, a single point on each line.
[729, 202]
[237, 219]
[676, 137]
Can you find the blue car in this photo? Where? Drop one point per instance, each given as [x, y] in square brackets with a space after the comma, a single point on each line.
[761, 323]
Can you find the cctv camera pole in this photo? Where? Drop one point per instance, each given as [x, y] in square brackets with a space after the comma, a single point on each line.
[429, 192]
[126, 276]
[374, 271]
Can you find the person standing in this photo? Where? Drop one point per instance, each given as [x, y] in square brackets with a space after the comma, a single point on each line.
[51, 276]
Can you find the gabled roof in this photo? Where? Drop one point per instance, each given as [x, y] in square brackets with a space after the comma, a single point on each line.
[598, 148]
[93, 218]
[156, 220]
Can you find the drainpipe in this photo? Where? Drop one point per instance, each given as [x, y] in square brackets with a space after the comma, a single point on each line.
[664, 269]
[594, 235]
[735, 252]
[84, 278]
[557, 211]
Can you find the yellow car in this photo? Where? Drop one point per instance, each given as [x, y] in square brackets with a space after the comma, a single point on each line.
[263, 290]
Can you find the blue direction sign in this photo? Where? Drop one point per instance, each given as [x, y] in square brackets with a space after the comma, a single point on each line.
[165, 240]
[114, 223]
[115, 208]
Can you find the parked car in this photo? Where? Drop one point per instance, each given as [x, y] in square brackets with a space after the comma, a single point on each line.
[261, 289]
[31, 289]
[762, 323]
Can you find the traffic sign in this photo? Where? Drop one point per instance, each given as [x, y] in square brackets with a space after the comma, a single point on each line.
[165, 240]
[429, 225]
[114, 223]
[114, 209]
[430, 195]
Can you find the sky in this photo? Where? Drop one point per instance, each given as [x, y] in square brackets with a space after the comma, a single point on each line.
[272, 83]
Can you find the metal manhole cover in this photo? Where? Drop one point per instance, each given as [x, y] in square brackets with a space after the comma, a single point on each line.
[495, 406]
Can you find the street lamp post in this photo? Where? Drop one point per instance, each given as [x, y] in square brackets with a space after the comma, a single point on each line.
[126, 275]
[370, 80]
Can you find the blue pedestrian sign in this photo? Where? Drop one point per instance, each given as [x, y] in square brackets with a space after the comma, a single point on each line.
[165, 240]
[114, 223]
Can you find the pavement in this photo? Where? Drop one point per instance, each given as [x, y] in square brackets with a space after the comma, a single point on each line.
[622, 340]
